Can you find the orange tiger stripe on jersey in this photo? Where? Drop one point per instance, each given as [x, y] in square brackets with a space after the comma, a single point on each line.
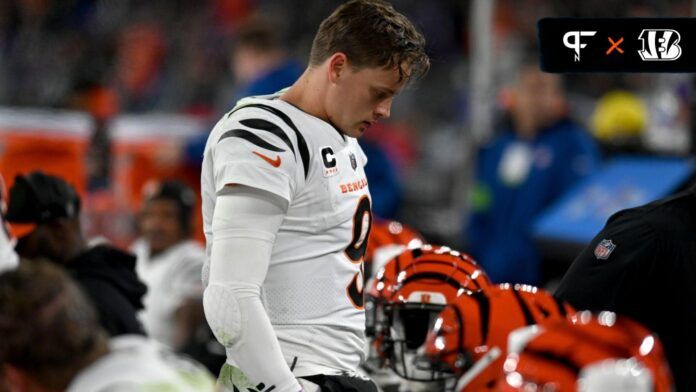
[476, 326]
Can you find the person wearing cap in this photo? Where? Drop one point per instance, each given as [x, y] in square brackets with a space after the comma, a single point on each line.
[169, 262]
[44, 213]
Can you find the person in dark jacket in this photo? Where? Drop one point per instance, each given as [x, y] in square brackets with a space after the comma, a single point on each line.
[642, 265]
[44, 212]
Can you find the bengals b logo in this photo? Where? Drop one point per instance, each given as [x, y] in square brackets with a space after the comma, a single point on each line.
[660, 45]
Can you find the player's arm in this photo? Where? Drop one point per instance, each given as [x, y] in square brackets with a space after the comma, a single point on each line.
[245, 223]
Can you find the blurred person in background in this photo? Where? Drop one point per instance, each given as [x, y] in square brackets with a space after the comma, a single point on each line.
[52, 341]
[44, 213]
[260, 61]
[522, 171]
[169, 262]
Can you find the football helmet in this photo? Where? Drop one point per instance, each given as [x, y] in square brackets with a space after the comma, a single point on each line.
[469, 338]
[408, 294]
[591, 352]
[388, 239]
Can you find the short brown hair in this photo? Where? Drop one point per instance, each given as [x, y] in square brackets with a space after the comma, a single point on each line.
[372, 34]
[48, 328]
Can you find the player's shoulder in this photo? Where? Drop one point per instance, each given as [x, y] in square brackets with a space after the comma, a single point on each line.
[268, 123]
[661, 214]
[261, 110]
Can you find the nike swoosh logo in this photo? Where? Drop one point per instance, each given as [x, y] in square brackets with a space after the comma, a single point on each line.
[274, 162]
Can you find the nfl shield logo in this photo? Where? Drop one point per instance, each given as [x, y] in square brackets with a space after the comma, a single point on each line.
[353, 162]
[604, 249]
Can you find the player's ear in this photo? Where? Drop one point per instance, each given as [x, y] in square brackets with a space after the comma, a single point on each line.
[337, 65]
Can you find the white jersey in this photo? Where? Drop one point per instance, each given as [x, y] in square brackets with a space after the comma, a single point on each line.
[135, 363]
[313, 288]
[172, 277]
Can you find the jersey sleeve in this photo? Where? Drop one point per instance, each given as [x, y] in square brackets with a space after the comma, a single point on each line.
[255, 150]
[609, 273]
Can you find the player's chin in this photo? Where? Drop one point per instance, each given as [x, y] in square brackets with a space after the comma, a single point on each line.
[354, 132]
[360, 129]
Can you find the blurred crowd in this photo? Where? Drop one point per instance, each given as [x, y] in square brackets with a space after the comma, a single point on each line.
[134, 207]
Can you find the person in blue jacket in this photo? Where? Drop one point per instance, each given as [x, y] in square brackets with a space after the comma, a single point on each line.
[532, 162]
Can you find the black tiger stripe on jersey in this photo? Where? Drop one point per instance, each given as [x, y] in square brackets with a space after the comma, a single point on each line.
[251, 138]
[257, 123]
[301, 143]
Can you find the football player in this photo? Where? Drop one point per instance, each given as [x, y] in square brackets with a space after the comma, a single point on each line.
[286, 205]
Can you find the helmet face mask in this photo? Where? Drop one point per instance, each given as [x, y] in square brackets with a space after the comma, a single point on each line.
[409, 326]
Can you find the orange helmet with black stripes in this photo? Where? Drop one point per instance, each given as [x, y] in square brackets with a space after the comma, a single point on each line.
[469, 338]
[387, 239]
[467, 270]
[409, 292]
[591, 352]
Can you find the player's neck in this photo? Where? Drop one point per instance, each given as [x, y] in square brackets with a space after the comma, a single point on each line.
[307, 94]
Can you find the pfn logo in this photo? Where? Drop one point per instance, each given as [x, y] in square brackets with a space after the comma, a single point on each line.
[660, 45]
[575, 44]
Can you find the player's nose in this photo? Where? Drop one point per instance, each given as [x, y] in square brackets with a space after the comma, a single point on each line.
[383, 109]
